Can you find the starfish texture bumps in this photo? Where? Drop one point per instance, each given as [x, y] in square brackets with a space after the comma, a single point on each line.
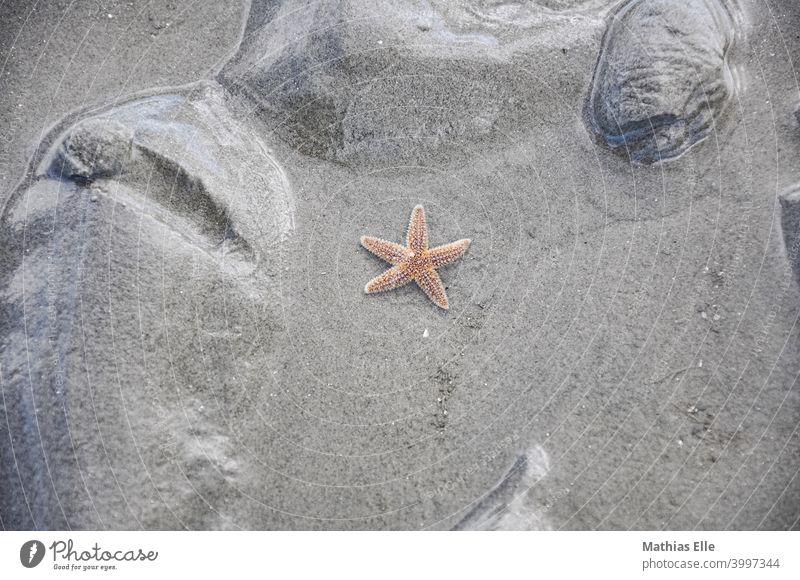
[414, 261]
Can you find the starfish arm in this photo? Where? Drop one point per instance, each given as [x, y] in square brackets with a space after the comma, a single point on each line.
[430, 282]
[449, 253]
[389, 251]
[417, 231]
[394, 277]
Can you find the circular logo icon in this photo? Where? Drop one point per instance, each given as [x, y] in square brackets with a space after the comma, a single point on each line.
[31, 553]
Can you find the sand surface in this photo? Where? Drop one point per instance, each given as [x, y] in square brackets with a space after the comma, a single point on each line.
[621, 349]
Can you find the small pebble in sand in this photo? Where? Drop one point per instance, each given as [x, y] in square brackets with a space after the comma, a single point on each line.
[425, 333]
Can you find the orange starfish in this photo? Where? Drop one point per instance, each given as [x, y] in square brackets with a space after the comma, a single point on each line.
[414, 261]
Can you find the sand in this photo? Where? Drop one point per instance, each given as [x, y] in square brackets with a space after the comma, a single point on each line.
[621, 348]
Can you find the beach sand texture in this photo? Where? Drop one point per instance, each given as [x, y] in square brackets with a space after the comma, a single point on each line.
[186, 340]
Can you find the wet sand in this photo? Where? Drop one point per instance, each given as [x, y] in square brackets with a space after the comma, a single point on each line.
[620, 352]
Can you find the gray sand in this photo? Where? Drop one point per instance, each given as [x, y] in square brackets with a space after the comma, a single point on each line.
[621, 349]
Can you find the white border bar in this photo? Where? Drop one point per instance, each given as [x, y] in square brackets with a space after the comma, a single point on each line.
[409, 555]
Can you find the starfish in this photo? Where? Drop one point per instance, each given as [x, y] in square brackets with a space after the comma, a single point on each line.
[414, 261]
